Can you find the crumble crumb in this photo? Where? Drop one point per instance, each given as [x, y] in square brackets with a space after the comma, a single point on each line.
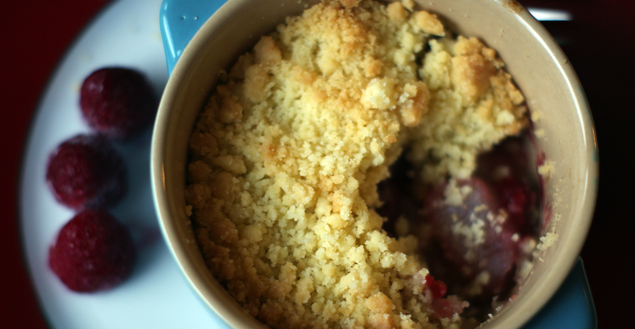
[547, 241]
[546, 170]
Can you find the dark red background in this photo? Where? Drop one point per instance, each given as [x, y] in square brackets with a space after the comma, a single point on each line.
[600, 42]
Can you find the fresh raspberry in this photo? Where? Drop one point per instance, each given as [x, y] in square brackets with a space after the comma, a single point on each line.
[93, 251]
[118, 102]
[87, 172]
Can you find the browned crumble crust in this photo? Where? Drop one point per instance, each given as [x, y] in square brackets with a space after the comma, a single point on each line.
[287, 154]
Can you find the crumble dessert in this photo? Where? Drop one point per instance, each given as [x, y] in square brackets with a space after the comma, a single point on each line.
[286, 157]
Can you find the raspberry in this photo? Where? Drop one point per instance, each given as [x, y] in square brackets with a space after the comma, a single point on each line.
[118, 102]
[445, 307]
[514, 195]
[87, 172]
[517, 200]
[472, 236]
[93, 251]
[437, 287]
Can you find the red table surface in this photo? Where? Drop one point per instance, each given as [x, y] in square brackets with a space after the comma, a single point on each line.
[599, 43]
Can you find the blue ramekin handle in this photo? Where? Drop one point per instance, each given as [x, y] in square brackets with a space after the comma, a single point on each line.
[571, 307]
[179, 20]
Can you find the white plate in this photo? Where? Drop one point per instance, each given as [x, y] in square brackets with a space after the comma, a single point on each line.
[156, 295]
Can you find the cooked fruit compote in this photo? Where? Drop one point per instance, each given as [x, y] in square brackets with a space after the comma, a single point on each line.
[476, 234]
[363, 167]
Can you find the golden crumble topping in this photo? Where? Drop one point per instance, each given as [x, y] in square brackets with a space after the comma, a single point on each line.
[473, 105]
[287, 155]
